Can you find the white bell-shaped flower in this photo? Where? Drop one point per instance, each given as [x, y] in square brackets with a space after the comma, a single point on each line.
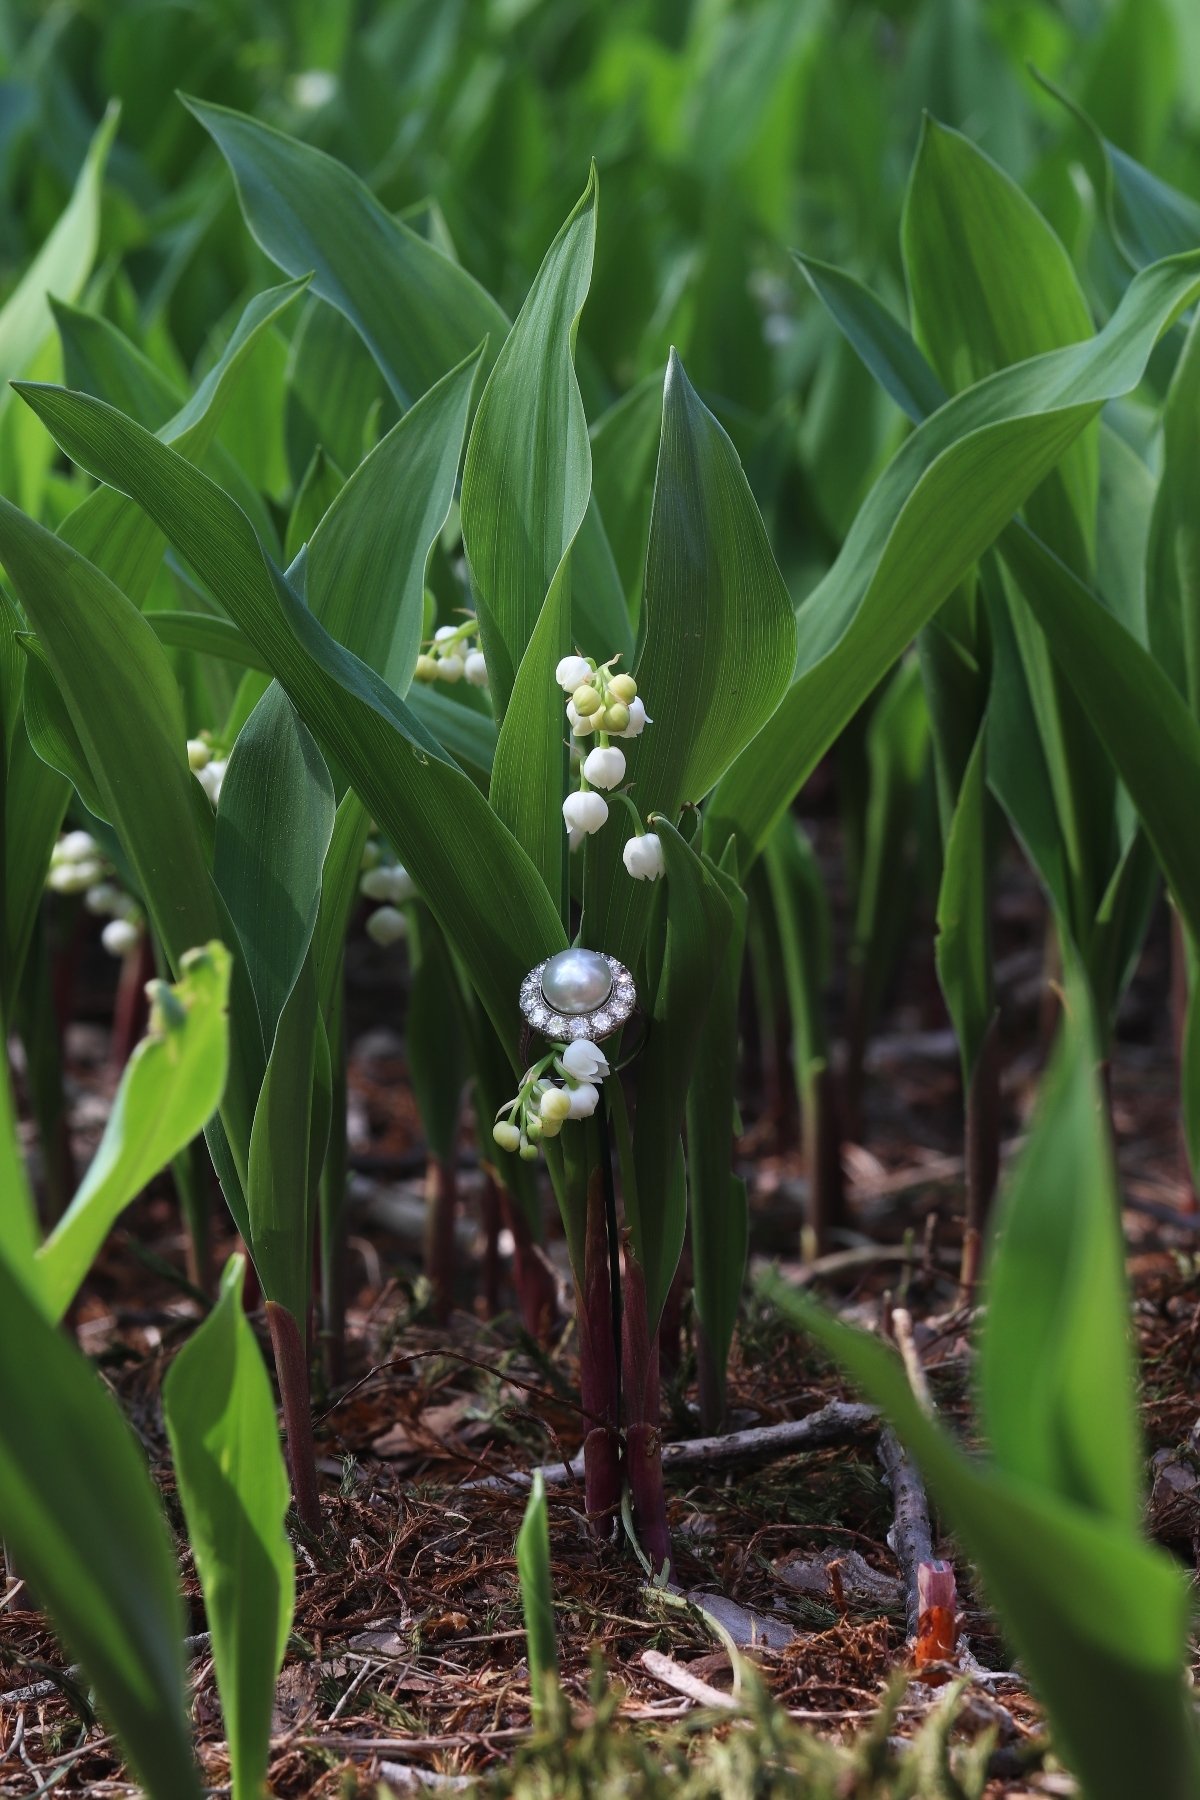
[579, 725]
[638, 719]
[571, 671]
[584, 813]
[604, 767]
[120, 937]
[475, 669]
[386, 926]
[450, 668]
[584, 1100]
[584, 1060]
[643, 857]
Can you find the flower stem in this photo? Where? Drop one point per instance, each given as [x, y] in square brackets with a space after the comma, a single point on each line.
[291, 1367]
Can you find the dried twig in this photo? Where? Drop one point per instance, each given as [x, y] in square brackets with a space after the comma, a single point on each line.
[674, 1675]
[837, 1423]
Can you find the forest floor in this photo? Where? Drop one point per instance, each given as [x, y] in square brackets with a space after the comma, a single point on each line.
[408, 1651]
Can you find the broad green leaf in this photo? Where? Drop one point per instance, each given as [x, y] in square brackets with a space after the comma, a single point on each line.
[285, 1160]
[334, 386]
[51, 729]
[364, 571]
[1136, 710]
[1149, 219]
[878, 337]
[418, 312]
[459, 854]
[124, 702]
[339, 893]
[624, 448]
[718, 646]
[1055, 1363]
[528, 472]
[537, 1596]
[80, 1513]
[170, 1089]
[699, 920]
[963, 946]
[61, 266]
[220, 1417]
[433, 1035]
[942, 500]
[106, 527]
[1098, 1618]
[274, 823]
[1173, 552]
[19, 1233]
[990, 285]
[320, 486]
[716, 1196]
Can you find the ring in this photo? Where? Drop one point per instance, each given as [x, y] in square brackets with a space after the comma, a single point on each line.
[578, 994]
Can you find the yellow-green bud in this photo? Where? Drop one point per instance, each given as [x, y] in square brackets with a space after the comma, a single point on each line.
[587, 700]
[426, 669]
[616, 717]
[555, 1104]
[551, 1127]
[528, 1151]
[506, 1135]
[623, 687]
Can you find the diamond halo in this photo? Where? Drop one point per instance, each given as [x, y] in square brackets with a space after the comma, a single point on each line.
[561, 1027]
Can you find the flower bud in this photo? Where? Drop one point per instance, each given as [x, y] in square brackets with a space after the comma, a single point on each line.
[388, 882]
[212, 777]
[616, 717]
[199, 754]
[584, 813]
[643, 857]
[571, 672]
[73, 847]
[533, 1130]
[386, 926]
[605, 767]
[579, 725]
[450, 668]
[103, 900]
[426, 669]
[528, 1151]
[584, 1060]
[555, 1104]
[584, 1100]
[506, 1135]
[623, 687]
[444, 633]
[586, 700]
[475, 669]
[73, 877]
[120, 937]
[551, 1127]
[637, 720]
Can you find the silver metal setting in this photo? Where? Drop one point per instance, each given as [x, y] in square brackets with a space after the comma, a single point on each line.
[562, 1027]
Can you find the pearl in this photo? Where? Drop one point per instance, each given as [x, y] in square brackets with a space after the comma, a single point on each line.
[576, 981]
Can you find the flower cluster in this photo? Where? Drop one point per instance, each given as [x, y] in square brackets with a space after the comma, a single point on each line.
[454, 655]
[206, 766]
[603, 706]
[77, 866]
[543, 1104]
[390, 884]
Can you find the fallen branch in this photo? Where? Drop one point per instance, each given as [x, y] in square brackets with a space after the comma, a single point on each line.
[837, 1423]
[674, 1675]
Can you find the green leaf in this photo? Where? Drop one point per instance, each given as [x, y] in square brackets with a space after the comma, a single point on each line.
[220, 1417]
[699, 921]
[364, 571]
[1149, 219]
[113, 533]
[418, 313]
[1097, 1616]
[459, 854]
[537, 1597]
[963, 945]
[274, 823]
[19, 1232]
[61, 266]
[433, 1035]
[171, 1087]
[941, 501]
[718, 648]
[51, 729]
[1055, 1365]
[124, 703]
[991, 285]
[287, 1147]
[94, 1550]
[1173, 552]
[716, 1196]
[528, 471]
